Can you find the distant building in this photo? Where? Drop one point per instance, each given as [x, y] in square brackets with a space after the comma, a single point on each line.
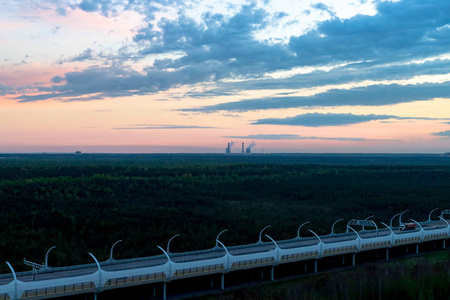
[447, 154]
[228, 149]
[77, 152]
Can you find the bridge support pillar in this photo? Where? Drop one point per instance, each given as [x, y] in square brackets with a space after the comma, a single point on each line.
[272, 273]
[387, 254]
[154, 291]
[417, 248]
[95, 296]
[222, 282]
[315, 266]
[164, 291]
[354, 259]
[343, 259]
[262, 273]
[443, 244]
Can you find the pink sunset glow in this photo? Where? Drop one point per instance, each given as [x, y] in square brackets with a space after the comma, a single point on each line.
[149, 77]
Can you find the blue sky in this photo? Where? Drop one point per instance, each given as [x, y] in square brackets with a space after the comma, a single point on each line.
[290, 76]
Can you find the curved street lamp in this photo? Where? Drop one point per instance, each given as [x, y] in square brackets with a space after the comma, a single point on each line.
[390, 223]
[217, 238]
[168, 243]
[400, 218]
[112, 249]
[46, 257]
[332, 226]
[429, 215]
[298, 230]
[260, 233]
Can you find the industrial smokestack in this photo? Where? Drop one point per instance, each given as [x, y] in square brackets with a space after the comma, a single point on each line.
[242, 149]
[228, 149]
[249, 148]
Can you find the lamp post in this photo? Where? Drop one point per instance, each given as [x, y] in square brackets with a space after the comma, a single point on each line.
[400, 218]
[260, 233]
[390, 223]
[332, 226]
[298, 230]
[429, 215]
[112, 249]
[46, 257]
[217, 238]
[168, 243]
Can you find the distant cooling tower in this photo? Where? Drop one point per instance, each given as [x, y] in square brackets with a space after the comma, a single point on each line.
[249, 148]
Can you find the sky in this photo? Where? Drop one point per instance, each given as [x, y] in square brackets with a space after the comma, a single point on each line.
[188, 76]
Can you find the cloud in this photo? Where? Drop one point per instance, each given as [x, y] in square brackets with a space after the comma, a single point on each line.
[57, 79]
[86, 55]
[443, 133]
[317, 119]
[374, 95]
[89, 5]
[399, 29]
[153, 126]
[4, 90]
[323, 7]
[106, 7]
[214, 47]
[298, 137]
[330, 119]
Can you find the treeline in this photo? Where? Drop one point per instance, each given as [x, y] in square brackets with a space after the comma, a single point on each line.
[84, 205]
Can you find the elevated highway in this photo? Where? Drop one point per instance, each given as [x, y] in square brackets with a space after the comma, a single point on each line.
[111, 274]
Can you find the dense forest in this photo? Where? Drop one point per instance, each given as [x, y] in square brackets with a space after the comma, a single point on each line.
[85, 203]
